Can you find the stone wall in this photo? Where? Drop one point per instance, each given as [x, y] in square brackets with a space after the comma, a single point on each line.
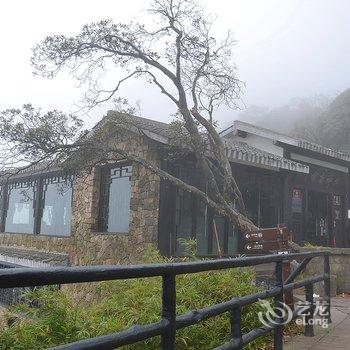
[339, 265]
[85, 245]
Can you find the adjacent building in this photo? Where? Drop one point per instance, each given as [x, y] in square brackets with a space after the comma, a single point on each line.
[109, 215]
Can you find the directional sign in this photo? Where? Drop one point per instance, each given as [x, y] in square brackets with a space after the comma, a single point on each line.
[267, 234]
[265, 246]
[253, 247]
[266, 240]
[253, 236]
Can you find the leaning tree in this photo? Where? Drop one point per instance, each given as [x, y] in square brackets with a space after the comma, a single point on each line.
[179, 55]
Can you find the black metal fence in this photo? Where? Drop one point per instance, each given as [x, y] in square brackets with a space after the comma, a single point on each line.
[169, 321]
[11, 296]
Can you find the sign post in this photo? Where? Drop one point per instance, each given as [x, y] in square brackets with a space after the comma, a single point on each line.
[271, 240]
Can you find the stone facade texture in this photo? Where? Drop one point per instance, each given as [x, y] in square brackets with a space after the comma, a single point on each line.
[87, 246]
[340, 269]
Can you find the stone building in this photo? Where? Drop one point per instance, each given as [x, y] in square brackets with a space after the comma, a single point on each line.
[111, 214]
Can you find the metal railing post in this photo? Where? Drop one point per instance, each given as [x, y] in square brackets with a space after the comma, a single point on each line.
[278, 331]
[327, 287]
[236, 326]
[169, 311]
[309, 298]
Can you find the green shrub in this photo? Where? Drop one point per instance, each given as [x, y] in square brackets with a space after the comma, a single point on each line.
[122, 304]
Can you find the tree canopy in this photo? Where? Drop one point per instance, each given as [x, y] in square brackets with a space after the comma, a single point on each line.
[335, 123]
[180, 56]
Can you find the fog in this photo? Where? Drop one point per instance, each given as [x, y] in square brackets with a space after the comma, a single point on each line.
[285, 49]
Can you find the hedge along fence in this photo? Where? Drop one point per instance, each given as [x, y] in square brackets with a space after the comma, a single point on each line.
[170, 322]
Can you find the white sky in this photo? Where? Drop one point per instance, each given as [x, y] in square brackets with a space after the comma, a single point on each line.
[285, 49]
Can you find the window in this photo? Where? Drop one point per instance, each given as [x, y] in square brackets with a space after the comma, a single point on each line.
[115, 199]
[20, 207]
[194, 220]
[183, 219]
[41, 205]
[262, 194]
[57, 209]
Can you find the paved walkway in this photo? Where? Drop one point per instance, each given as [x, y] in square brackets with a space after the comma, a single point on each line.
[336, 337]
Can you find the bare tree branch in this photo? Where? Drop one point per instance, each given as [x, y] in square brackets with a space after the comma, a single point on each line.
[177, 53]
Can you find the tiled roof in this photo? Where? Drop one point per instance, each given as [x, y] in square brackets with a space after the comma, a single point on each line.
[241, 151]
[286, 139]
[154, 126]
[235, 150]
[324, 150]
[33, 169]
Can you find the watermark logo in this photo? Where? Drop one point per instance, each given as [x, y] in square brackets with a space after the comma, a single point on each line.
[283, 314]
[274, 315]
